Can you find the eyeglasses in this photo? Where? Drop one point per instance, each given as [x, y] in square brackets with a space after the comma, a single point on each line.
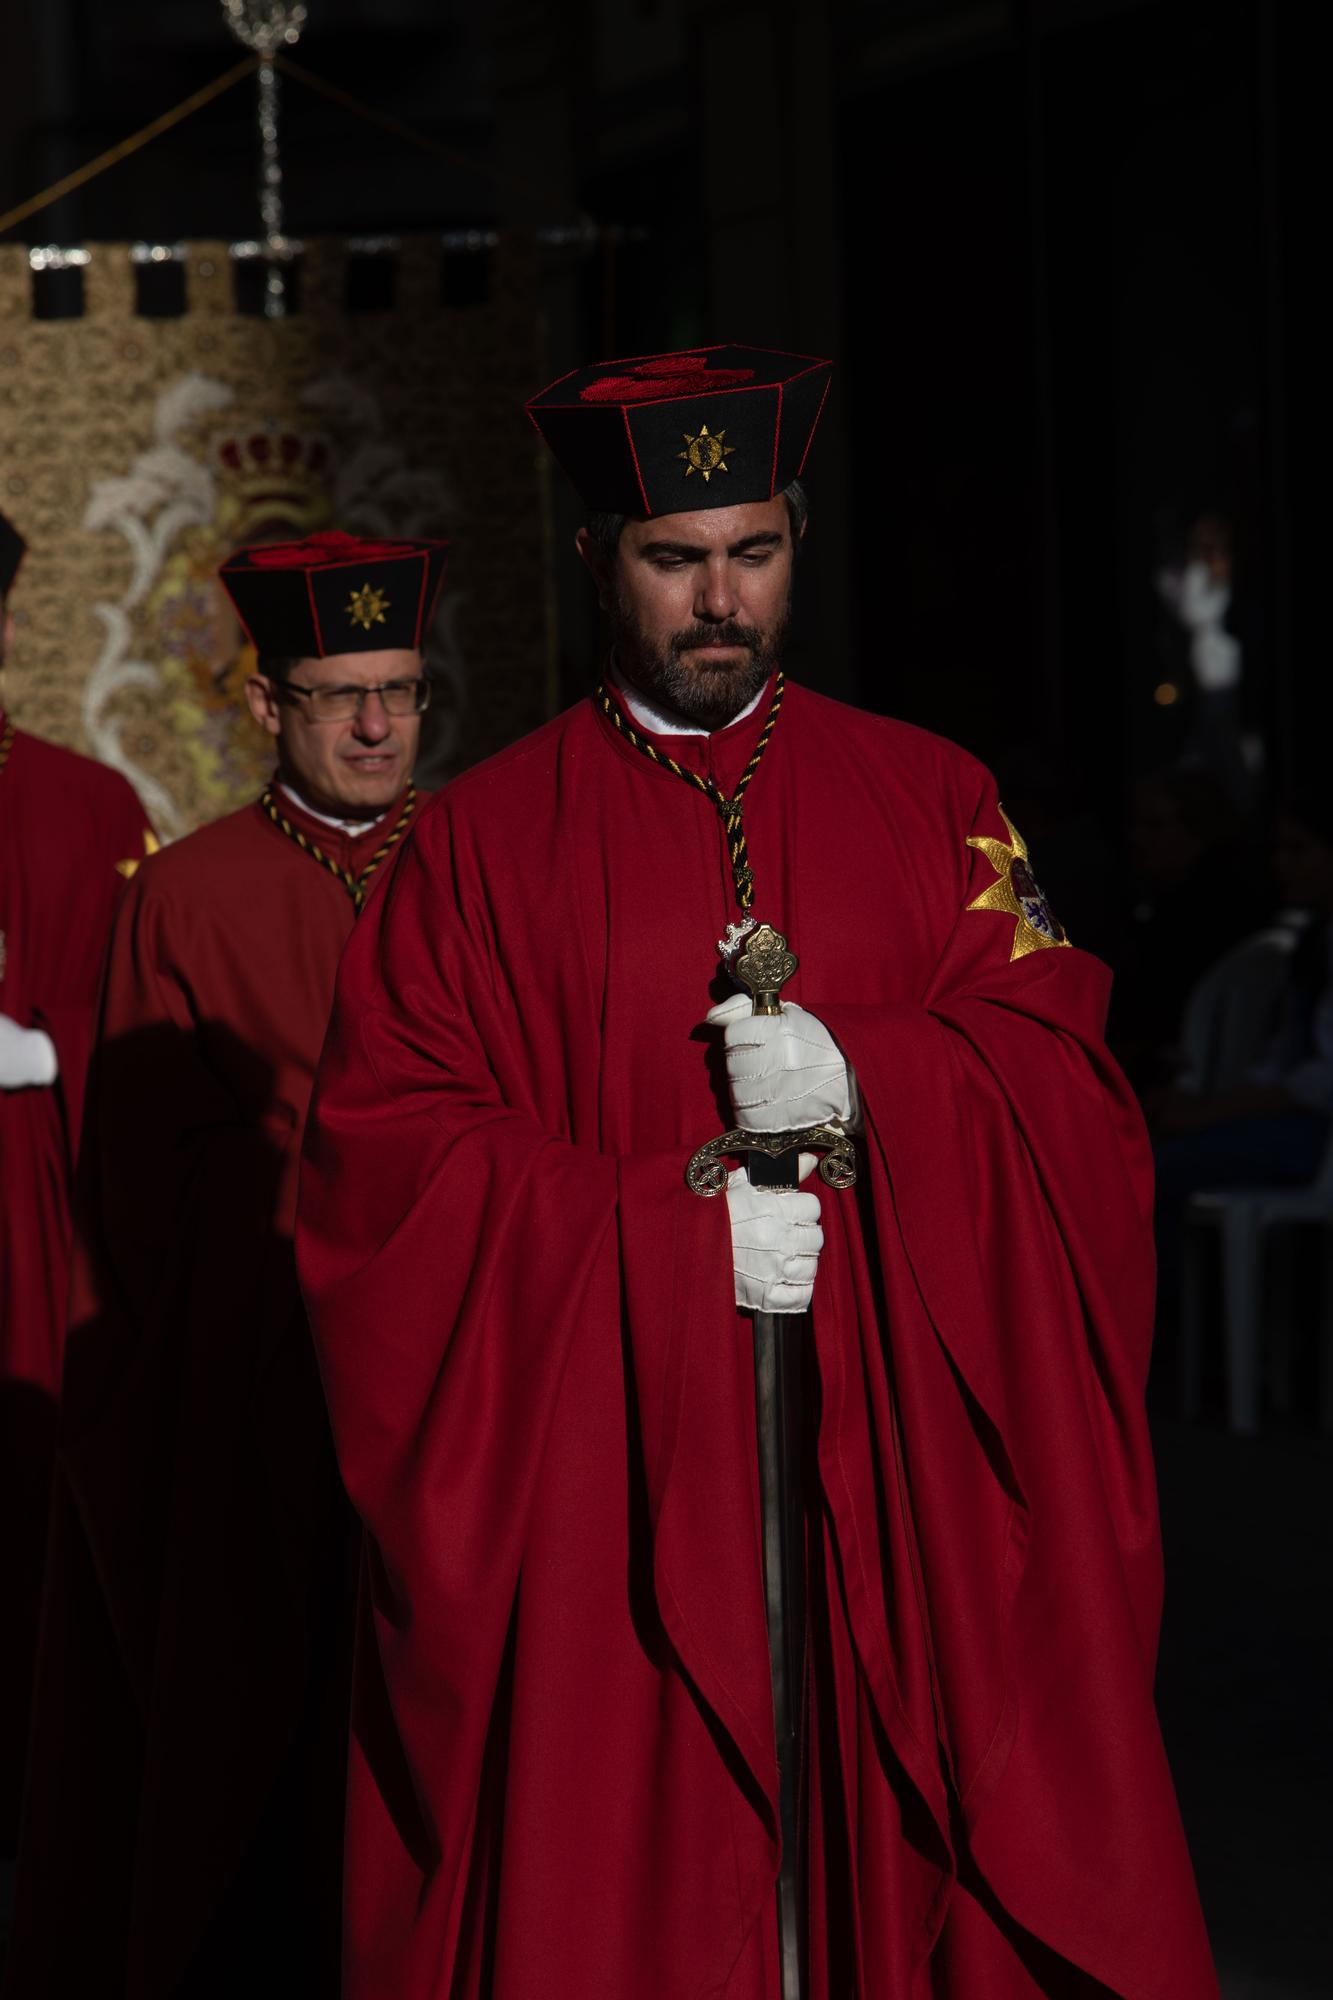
[340, 704]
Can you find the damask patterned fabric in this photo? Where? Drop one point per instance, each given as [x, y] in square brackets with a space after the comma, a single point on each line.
[136, 453]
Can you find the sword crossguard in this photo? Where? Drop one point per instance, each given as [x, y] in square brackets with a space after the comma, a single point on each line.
[706, 1173]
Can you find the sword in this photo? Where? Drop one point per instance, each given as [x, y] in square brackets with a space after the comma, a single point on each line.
[773, 1160]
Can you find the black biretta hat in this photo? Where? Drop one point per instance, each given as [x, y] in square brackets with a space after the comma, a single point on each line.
[334, 593]
[13, 548]
[670, 433]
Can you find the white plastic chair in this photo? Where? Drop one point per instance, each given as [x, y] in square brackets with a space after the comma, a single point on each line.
[1229, 1019]
[1246, 1217]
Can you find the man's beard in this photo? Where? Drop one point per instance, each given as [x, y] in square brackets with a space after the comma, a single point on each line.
[711, 695]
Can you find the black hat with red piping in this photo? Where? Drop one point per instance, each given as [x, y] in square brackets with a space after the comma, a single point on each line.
[670, 433]
[334, 593]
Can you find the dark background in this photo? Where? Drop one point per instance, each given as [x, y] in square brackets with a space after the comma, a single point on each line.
[1057, 251]
[1064, 254]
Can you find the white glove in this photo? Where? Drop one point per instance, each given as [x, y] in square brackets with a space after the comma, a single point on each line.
[27, 1057]
[784, 1070]
[775, 1243]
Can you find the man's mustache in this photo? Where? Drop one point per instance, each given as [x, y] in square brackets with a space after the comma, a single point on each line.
[730, 634]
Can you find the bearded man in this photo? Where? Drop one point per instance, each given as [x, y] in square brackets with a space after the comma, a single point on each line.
[669, 1684]
[185, 1792]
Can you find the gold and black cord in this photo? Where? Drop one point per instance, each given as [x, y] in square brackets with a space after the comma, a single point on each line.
[731, 810]
[355, 885]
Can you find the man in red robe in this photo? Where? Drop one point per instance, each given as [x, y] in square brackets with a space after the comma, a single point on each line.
[185, 1795]
[70, 832]
[534, 1340]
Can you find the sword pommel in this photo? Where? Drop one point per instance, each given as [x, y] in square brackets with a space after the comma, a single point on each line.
[764, 967]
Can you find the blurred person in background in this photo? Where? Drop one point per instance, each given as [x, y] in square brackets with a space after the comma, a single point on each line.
[1194, 888]
[1200, 592]
[71, 831]
[1273, 1129]
[182, 1829]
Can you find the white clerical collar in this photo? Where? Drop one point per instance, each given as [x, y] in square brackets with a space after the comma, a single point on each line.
[665, 721]
[348, 826]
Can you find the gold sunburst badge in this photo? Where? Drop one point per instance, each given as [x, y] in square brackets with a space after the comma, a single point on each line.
[706, 454]
[1016, 894]
[367, 606]
[151, 845]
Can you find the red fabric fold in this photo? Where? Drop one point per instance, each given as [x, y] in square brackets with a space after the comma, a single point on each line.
[1027, 1473]
[695, 1397]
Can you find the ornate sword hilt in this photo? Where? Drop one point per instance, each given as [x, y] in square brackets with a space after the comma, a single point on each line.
[707, 1171]
[763, 968]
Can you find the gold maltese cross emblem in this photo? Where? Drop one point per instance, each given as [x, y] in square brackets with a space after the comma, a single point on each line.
[367, 606]
[1016, 894]
[151, 845]
[706, 454]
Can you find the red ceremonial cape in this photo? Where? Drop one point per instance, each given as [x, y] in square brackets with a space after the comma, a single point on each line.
[191, 1711]
[563, 1777]
[65, 823]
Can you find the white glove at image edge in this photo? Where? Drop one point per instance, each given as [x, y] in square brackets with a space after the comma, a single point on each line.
[776, 1239]
[27, 1057]
[784, 1070]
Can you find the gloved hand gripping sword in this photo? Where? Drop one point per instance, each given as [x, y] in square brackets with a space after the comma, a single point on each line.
[764, 966]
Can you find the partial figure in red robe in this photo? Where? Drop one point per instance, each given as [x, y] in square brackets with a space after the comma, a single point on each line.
[535, 1340]
[71, 831]
[183, 1820]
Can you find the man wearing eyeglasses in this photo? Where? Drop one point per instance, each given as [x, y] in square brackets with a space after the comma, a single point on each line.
[345, 725]
[186, 1782]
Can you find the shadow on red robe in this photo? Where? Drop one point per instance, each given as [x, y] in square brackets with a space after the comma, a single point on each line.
[66, 822]
[187, 1770]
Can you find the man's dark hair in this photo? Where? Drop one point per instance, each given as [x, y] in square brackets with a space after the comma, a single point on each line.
[606, 529]
[277, 666]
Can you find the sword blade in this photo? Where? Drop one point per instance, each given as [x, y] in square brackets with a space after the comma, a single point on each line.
[779, 1341]
[763, 968]
[777, 1374]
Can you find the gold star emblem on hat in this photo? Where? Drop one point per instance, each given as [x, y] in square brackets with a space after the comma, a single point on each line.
[1017, 895]
[706, 454]
[367, 606]
[151, 845]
